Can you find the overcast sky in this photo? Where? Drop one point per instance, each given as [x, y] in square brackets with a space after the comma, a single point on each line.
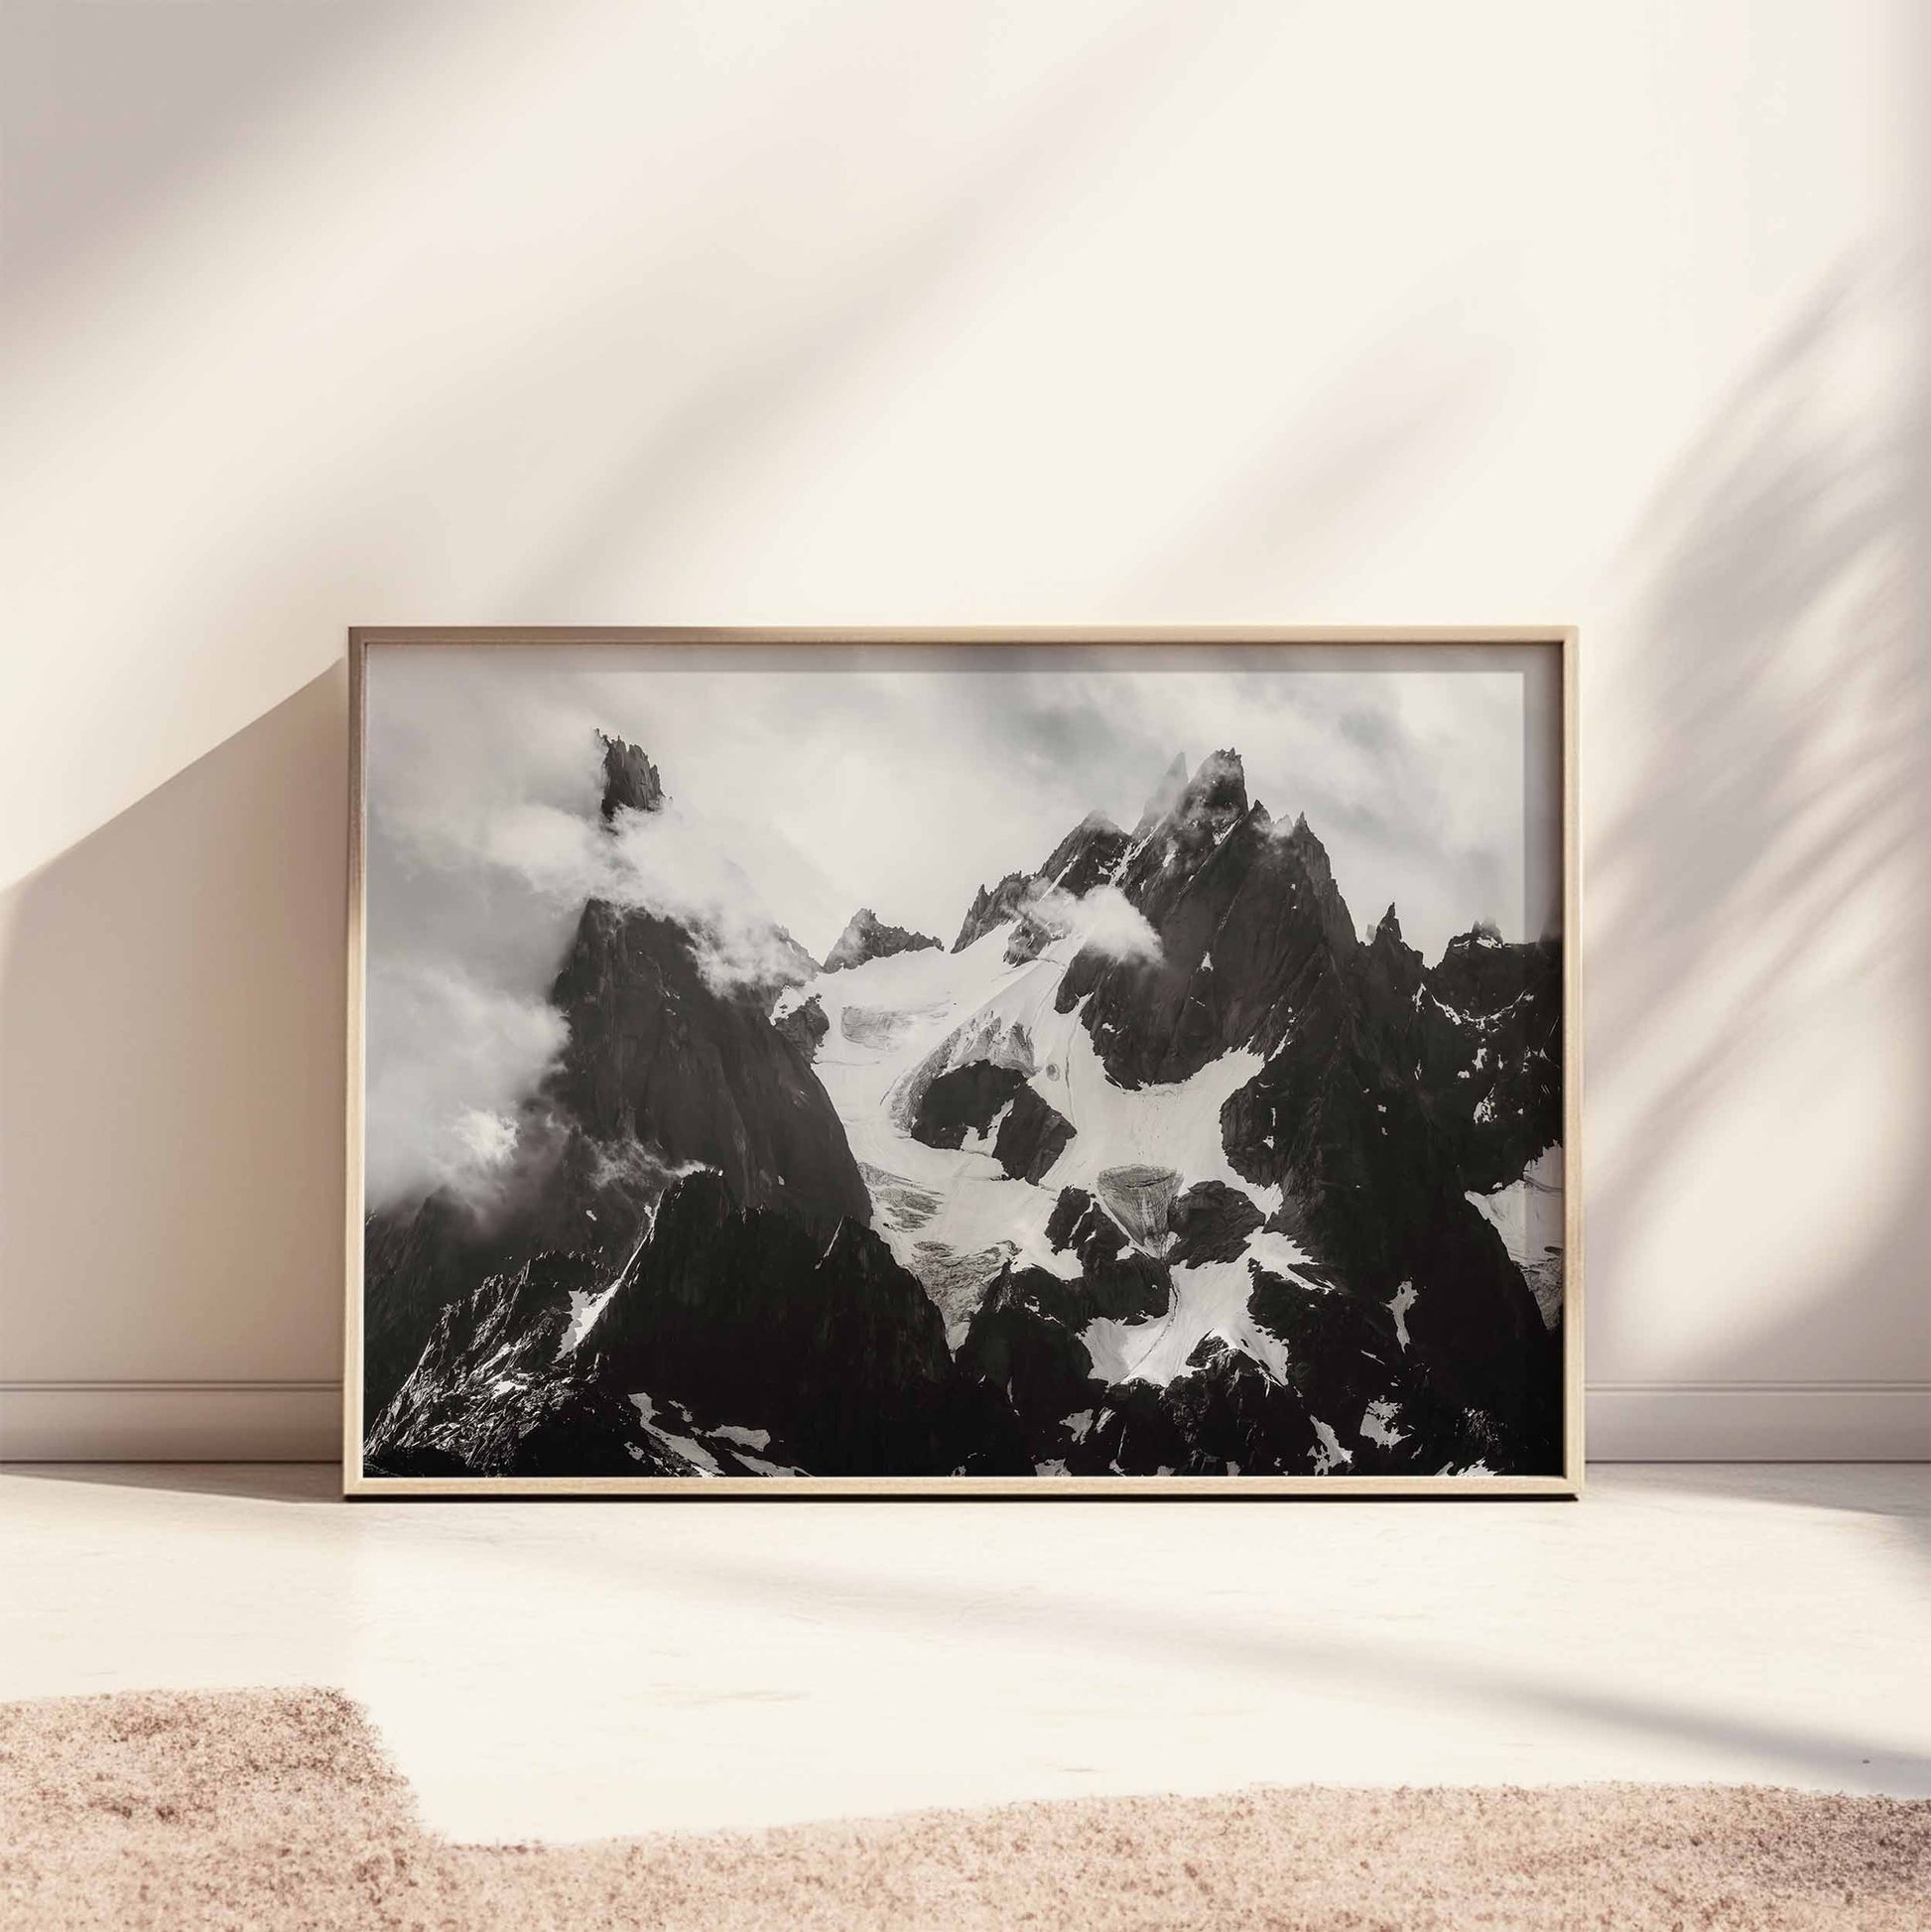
[901, 781]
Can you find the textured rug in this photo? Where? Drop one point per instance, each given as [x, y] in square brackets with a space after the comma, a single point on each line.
[271, 1809]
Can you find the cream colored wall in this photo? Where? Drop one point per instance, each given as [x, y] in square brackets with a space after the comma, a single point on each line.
[379, 311]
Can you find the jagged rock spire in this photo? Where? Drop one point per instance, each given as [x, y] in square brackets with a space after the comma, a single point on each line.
[868, 937]
[995, 907]
[1089, 854]
[1219, 785]
[630, 779]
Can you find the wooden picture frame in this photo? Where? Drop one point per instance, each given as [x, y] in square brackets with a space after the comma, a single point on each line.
[1553, 645]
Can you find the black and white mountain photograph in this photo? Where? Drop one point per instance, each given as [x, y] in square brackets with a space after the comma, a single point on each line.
[977, 1061]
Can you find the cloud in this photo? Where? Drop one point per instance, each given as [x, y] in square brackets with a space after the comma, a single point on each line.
[838, 778]
[450, 1064]
[497, 781]
[662, 861]
[485, 842]
[665, 863]
[1108, 922]
[1104, 921]
[802, 785]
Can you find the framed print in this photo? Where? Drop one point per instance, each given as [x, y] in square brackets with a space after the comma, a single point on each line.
[988, 1063]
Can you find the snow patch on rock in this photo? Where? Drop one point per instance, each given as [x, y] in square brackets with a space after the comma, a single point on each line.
[1528, 1216]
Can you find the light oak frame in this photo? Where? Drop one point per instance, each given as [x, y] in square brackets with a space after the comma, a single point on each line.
[1566, 1485]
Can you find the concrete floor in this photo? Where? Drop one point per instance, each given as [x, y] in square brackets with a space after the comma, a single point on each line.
[570, 1670]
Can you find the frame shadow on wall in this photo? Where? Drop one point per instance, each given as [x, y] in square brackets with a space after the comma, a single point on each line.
[170, 1077]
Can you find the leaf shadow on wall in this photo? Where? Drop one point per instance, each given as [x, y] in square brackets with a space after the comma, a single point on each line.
[171, 1073]
[1759, 906]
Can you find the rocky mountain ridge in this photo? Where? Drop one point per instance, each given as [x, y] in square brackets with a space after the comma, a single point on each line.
[868, 937]
[665, 1070]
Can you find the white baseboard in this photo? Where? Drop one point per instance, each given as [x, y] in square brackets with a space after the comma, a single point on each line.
[1629, 1421]
[1760, 1422]
[171, 1422]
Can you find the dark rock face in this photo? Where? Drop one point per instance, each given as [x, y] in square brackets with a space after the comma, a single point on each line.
[657, 1056]
[568, 1194]
[1118, 1282]
[728, 1326]
[1074, 1217]
[1253, 939]
[1031, 1137]
[805, 1026]
[1492, 1044]
[1224, 1417]
[1353, 1399]
[1392, 973]
[1005, 901]
[1211, 1222]
[746, 1317]
[965, 1099]
[663, 1070]
[968, 1100]
[416, 1262]
[630, 781]
[486, 1396]
[1086, 856]
[1024, 1343]
[1373, 1185]
[1207, 807]
[868, 937]
[1343, 1352]
[1227, 1413]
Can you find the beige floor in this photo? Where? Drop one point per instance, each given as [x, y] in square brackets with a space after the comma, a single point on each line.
[570, 1670]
